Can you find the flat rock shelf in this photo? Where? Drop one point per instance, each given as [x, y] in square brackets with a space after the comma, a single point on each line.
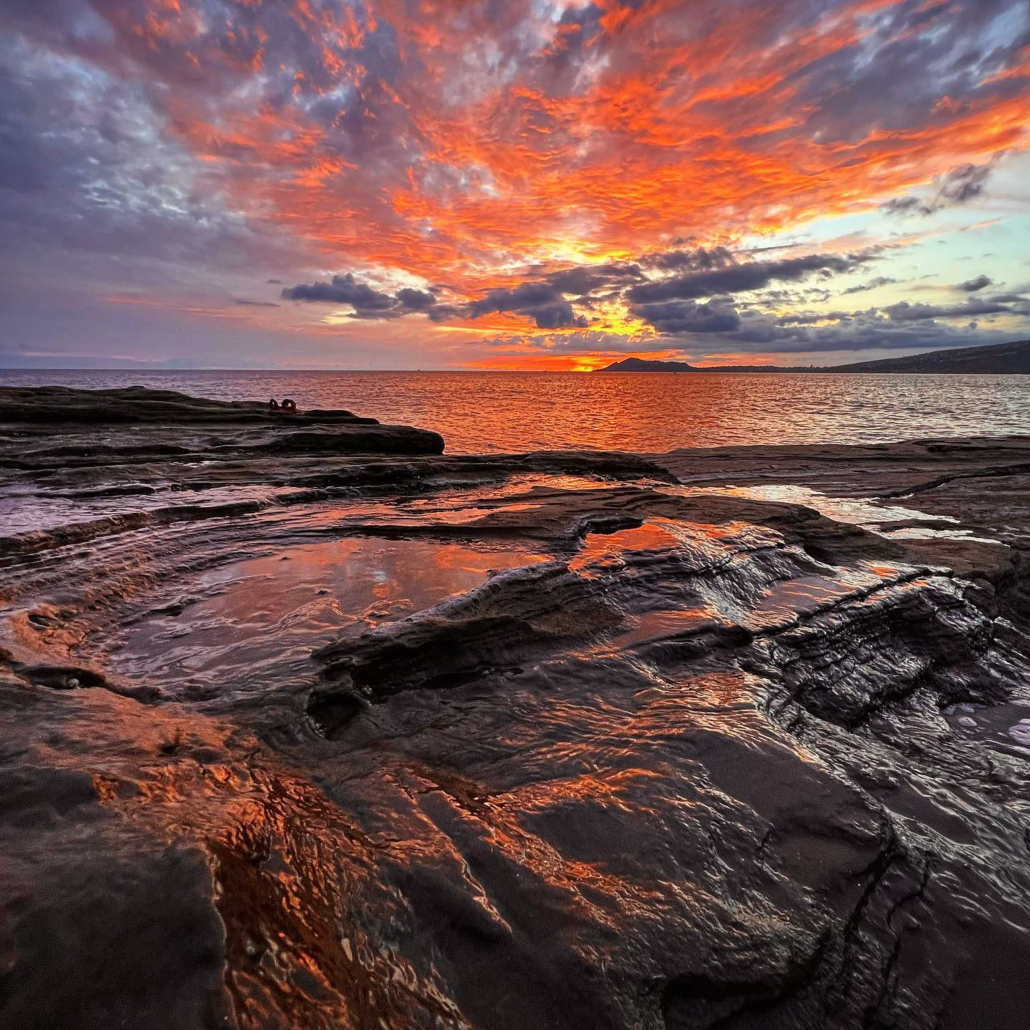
[307, 724]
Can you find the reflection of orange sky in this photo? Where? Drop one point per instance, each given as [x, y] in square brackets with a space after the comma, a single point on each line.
[361, 571]
[528, 360]
[688, 125]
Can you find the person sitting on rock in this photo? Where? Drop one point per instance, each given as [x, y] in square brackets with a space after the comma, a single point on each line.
[289, 405]
[273, 404]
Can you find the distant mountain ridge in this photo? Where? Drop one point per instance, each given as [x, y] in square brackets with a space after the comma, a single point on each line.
[997, 359]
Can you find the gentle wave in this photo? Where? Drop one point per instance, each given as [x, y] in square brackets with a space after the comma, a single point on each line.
[500, 411]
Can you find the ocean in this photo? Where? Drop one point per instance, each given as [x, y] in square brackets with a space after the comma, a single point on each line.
[515, 411]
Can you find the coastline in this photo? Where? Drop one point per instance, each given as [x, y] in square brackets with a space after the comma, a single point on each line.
[998, 359]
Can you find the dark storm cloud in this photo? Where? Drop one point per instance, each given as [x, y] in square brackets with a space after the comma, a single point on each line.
[740, 278]
[687, 316]
[901, 326]
[906, 206]
[667, 302]
[588, 278]
[545, 300]
[557, 316]
[542, 301]
[965, 183]
[867, 332]
[904, 320]
[524, 297]
[861, 330]
[671, 306]
[342, 289]
[366, 301]
[813, 317]
[699, 260]
[959, 186]
[904, 311]
[415, 300]
[873, 284]
[978, 283]
[777, 298]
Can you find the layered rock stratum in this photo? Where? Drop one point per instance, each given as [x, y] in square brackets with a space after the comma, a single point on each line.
[306, 724]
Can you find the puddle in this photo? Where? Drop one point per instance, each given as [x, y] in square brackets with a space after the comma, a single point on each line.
[793, 598]
[658, 625]
[926, 533]
[514, 486]
[852, 510]
[697, 543]
[603, 551]
[864, 512]
[255, 623]
[761, 584]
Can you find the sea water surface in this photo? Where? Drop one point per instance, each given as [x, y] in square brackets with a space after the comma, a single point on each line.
[515, 411]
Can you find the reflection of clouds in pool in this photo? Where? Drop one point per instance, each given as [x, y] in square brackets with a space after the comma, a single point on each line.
[253, 622]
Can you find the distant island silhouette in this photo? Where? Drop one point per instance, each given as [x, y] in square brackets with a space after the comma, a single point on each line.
[997, 359]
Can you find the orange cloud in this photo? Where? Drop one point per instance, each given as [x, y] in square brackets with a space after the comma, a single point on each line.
[468, 156]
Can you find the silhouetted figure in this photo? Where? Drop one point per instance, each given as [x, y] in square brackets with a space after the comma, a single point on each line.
[273, 405]
[289, 405]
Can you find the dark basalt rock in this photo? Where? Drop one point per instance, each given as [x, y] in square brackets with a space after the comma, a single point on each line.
[164, 411]
[513, 618]
[687, 760]
[53, 405]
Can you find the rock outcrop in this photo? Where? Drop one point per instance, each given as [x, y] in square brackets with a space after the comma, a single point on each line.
[294, 737]
[167, 423]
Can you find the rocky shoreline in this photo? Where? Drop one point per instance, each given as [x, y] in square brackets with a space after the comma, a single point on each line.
[308, 724]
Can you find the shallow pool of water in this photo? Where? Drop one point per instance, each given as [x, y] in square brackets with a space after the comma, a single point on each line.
[256, 622]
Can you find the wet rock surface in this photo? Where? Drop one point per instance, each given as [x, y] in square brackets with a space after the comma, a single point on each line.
[304, 738]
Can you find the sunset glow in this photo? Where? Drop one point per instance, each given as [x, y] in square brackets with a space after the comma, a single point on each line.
[523, 185]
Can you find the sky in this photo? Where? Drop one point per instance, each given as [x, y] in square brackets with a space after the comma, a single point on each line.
[510, 184]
